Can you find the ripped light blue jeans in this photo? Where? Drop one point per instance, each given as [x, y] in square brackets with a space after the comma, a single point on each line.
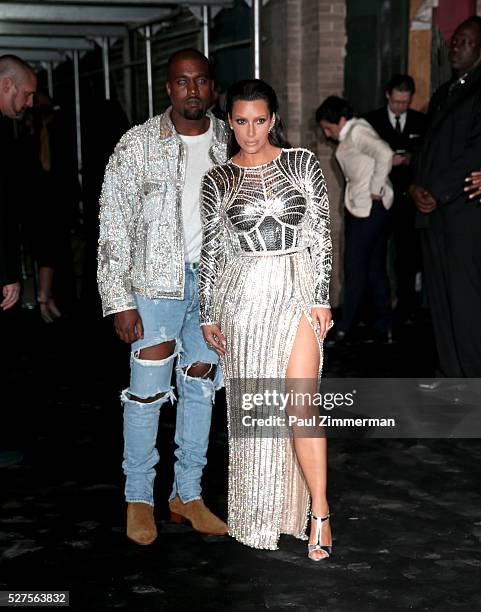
[165, 320]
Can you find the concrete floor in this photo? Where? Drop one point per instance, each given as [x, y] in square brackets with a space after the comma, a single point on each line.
[406, 514]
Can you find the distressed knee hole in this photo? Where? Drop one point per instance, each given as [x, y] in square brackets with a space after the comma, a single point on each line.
[145, 400]
[158, 352]
[199, 369]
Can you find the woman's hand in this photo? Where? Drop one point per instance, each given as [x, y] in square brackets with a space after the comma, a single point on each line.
[214, 338]
[48, 309]
[322, 320]
[474, 184]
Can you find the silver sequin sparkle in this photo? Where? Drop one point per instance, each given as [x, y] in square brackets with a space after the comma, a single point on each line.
[266, 261]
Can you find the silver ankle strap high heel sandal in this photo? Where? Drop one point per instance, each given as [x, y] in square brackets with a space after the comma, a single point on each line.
[317, 545]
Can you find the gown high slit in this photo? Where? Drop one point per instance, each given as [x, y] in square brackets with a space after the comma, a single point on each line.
[266, 260]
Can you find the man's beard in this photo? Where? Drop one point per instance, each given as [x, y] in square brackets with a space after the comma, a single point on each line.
[194, 114]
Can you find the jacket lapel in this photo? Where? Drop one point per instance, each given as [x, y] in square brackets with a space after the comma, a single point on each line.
[387, 123]
[473, 82]
[408, 124]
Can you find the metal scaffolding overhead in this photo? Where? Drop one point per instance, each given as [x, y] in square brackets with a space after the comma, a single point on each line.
[41, 42]
[36, 55]
[79, 13]
[48, 32]
[21, 28]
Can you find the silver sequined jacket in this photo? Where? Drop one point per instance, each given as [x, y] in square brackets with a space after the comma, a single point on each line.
[279, 207]
[141, 244]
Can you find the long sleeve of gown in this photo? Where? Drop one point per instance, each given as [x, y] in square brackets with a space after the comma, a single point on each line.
[320, 244]
[211, 254]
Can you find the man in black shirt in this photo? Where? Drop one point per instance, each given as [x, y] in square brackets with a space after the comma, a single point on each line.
[402, 128]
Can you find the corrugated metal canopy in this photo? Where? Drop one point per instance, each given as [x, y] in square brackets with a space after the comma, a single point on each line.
[46, 30]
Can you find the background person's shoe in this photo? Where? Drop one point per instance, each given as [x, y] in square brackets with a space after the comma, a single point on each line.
[429, 385]
[444, 384]
[200, 517]
[141, 527]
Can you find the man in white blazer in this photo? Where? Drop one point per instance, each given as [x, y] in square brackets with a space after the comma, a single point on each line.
[366, 162]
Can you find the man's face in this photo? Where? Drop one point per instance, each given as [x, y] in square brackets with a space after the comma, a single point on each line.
[18, 95]
[190, 88]
[398, 101]
[465, 47]
[331, 131]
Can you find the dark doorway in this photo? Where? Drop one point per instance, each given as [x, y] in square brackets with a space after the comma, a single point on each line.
[377, 47]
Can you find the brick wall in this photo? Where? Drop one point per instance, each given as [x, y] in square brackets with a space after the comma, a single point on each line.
[303, 59]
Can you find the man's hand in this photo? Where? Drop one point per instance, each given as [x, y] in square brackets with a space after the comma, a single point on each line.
[128, 325]
[424, 201]
[322, 319]
[473, 186]
[376, 197]
[11, 293]
[214, 338]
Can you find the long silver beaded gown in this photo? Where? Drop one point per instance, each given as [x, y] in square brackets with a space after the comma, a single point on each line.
[265, 262]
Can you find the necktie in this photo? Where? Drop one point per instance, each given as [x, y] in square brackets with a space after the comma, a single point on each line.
[398, 124]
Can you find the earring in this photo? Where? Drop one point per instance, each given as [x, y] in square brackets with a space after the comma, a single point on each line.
[271, 128]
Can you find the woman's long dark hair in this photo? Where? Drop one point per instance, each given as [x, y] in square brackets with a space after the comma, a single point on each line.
[249, 90]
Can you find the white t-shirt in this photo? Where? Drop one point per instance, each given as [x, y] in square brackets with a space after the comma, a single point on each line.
[198, 162]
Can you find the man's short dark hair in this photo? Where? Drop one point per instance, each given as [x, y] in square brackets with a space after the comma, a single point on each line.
[473, 19]
[332, 109]
[188, 54]
[401, 82]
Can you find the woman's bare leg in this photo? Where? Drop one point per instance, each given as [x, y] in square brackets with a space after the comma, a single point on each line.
[311, 452]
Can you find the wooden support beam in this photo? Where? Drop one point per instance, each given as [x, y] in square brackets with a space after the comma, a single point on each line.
[420, 41]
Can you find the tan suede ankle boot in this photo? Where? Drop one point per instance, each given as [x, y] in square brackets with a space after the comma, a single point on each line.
[141, 527]
[200, 517]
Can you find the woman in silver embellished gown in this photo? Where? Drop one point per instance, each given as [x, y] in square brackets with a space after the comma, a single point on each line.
[264, 295]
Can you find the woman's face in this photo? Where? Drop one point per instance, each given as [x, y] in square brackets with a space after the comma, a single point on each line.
[251, 122]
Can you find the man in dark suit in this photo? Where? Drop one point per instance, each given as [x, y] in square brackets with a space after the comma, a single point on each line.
[402, 128]
[17, 87]
[18, 84]
[450, 221]
[9, 245]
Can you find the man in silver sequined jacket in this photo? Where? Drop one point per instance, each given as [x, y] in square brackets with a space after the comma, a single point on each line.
[149, 249]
